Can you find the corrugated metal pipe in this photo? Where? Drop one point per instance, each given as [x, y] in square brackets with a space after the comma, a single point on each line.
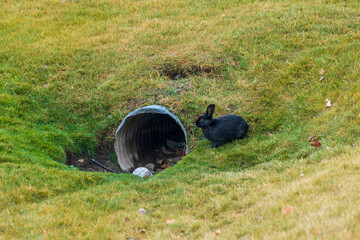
[148, 135]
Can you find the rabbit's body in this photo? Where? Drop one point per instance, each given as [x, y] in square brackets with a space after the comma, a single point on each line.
[222, 129]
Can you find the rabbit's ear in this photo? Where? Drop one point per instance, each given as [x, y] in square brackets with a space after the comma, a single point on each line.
[210, 110]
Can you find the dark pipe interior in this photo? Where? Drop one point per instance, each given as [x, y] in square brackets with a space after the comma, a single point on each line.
[144, 133]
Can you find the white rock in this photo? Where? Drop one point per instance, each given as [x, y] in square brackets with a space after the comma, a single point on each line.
[142, 172]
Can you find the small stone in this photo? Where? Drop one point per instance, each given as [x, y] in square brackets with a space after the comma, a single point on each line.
[142, 172]
[171, 164]
[142, 211]
[150, 166]
[176, 159]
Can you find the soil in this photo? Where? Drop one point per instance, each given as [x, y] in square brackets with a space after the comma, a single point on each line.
[103, 155]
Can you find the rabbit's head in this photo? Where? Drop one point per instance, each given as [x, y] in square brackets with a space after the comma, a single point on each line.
[205, 120]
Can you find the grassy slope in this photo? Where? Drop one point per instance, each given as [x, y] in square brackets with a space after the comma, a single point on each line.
[103, 60]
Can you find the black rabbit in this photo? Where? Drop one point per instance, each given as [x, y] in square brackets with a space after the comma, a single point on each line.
[222, 129]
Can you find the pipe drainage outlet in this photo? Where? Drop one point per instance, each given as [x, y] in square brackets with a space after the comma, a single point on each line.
[150, 137]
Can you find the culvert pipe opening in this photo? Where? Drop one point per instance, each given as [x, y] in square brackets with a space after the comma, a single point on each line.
[150, 137]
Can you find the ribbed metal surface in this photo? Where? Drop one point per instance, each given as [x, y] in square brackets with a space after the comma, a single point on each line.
[144, 130]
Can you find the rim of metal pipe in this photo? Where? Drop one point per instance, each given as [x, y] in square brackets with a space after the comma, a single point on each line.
[130, 144]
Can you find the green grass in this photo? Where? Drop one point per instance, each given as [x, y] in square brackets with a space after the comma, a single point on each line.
[71, 70]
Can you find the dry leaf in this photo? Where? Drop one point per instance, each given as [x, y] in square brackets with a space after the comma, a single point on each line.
[287, 210]
[101, 75]
[62, 128]
[235, 64]
[127, 219]
[142, 230]
[322, 71]
[315, 143]
[164, 166]
[159, 170]
[217, 232]
[159, 161]
[81, 160]
[170, 221]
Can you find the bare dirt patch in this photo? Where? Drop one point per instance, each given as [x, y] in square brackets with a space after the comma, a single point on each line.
[176, 71]
[104, 154]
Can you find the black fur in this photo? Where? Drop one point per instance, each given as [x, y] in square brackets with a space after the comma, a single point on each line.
[222, 129]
